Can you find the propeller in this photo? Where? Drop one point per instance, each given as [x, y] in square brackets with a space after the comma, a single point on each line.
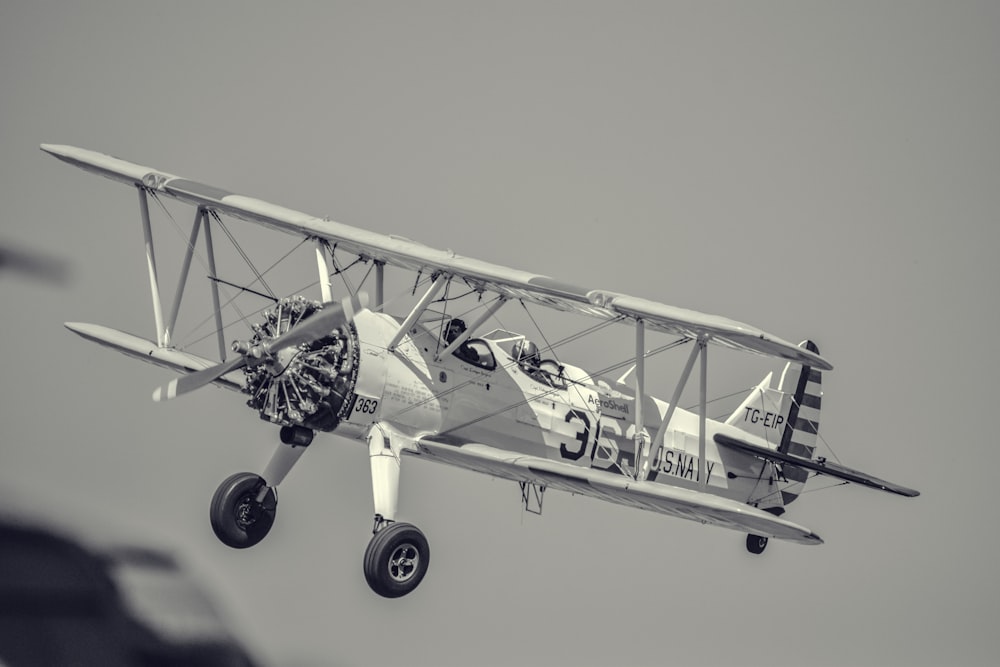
[186, 383]
[320, 324]
[317, 326]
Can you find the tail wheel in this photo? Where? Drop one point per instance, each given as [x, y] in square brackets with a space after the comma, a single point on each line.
[756, 544]
[396, 560]
[238, 518]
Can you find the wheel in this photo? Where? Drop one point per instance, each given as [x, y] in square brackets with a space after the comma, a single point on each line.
[756, 544]
[396, 560]
[238, 519]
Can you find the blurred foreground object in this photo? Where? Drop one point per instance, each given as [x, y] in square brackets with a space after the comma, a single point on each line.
[33, 265]
[72, 597]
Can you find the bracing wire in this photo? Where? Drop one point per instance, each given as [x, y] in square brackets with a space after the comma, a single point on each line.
[300, 289]
[231, 299]
[820, 437]
[188, 243]
[239, 249]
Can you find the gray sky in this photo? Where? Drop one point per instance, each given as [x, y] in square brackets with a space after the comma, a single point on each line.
[829, 170]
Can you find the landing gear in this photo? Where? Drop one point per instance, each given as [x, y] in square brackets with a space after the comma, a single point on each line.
[243, 510]
[244, 505]
[396, 559]
[397, 556]
[756, 544]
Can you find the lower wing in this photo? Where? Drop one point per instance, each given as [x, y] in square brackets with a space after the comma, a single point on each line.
[657, 497]
[148, 351]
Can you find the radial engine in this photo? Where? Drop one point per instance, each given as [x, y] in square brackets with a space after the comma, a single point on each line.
[307, 384]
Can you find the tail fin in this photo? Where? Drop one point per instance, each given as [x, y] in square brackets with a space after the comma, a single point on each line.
[764, 412]
[787, 418]
[804, 384]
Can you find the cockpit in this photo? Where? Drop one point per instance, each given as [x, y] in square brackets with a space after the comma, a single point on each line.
[518, 350]
[476, 352]
[525, 354]
[473, 351]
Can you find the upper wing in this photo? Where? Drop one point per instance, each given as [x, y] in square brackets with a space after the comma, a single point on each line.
[819, 466]
[662, 498]
[396, 251]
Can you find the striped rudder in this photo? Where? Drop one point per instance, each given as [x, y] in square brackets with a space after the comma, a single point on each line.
[804, 385]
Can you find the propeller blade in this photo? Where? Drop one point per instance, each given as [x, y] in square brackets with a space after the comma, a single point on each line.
[320, 324]
[317, 326]
[186, 383]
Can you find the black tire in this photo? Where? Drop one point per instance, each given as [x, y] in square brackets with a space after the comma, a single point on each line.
[756, 544]
[239, 521]
[396, 560]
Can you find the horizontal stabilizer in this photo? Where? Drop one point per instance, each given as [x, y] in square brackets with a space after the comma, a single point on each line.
[819, 466]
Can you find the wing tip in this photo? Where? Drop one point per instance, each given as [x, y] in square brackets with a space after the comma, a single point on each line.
[814, 540]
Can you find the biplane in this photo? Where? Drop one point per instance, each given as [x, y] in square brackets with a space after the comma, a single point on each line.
[443, 388]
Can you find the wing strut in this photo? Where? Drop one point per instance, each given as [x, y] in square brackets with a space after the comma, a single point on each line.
[210, 250]
[162, 335]
[323, 265]
[418, 310]
[164, 329]
[185, 269]
[702, 410]
[379, 284]
[658, 438]
[700, 349]
[641, 436]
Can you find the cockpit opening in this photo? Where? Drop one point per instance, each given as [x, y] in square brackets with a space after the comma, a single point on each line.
[473, 351]
[526, 355]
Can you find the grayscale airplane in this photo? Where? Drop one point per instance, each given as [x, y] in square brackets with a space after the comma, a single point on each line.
[432, 386]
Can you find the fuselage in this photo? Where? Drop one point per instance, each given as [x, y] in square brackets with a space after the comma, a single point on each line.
[482, 394]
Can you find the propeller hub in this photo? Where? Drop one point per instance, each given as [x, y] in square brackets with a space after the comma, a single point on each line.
[284, 358]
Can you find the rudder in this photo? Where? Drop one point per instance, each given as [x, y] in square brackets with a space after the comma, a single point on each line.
[804, 385]
[787, 418]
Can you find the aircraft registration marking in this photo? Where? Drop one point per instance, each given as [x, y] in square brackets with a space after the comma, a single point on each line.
[767, 418]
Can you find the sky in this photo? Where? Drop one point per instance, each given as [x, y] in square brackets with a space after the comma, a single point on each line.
[821, 170]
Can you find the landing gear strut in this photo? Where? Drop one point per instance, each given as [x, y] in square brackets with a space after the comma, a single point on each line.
[397, 555]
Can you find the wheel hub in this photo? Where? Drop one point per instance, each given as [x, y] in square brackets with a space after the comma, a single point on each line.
[403, 562]
[247, 511]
